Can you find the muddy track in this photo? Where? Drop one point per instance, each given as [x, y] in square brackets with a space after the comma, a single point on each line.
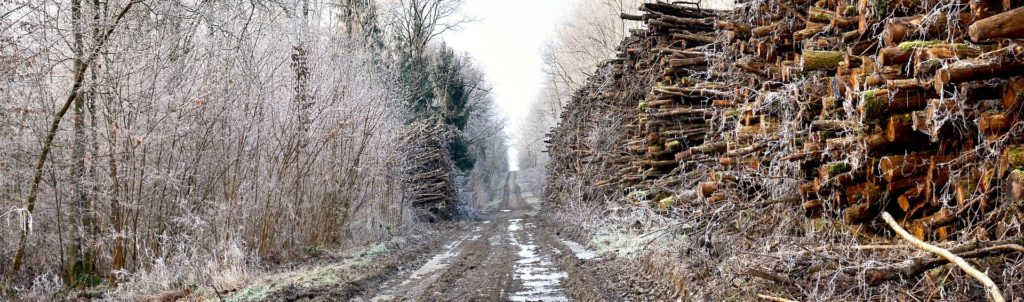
[511, 254]
[504, 257]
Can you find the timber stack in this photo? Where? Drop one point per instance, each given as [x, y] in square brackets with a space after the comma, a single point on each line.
[898, 106]
[853, 107]
[636, 143]
[431, 184]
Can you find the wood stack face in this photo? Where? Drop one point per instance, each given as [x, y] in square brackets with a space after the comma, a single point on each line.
[431, 182]
[641, 108]
[853, 106]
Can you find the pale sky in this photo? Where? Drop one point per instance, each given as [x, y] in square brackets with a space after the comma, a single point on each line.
[506, 42]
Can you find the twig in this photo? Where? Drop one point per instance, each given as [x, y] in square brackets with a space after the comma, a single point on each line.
[81, 67]
[773, 298]
[993, 290]
[770, 276]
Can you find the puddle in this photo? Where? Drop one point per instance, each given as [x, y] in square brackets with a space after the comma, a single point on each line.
[486, 222]
[506, 211]
[476, 233]
[513, 225]
[437, 263]
[541, 279]
[581, 252]
[429, 270]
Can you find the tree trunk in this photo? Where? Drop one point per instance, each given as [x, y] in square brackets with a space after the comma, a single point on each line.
[79, 77]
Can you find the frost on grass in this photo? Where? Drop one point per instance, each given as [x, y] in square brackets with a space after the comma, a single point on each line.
[353, 264]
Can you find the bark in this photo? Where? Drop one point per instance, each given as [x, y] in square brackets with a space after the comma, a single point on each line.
[893, 56]
[898, 30]
[1007, 25]
[878, 103]
[996, 64]
[821, 60]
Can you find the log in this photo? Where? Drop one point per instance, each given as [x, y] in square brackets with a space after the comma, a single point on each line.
[811, 30]
[675, 10]
[858, 213]
[625, 16]
[875, 143]
[710, 148]
[852, 36]
[657, 103]
[662, 163]
[898, 30]
[896, 7]
[1007, 25]
[688, 62]
[821, 60]
[845, 23]
[924, 122]
[682, 112]
[696, 39]
[717, 198]
[895, 167]
[899, 128]
[813, 208]
[1017, 184]
[996, 64]
[993, 125]
[982, 9]
[689, 23]
[809, 189]
[927, 60]
[742, 28]
[1013, 97]
[907, 199]
[831, 170]
[764, 31]
[946, 51]
[819, 15]
[1014, 156]
[708, 188]
[878, 103]
[893, 56]
[912, 86]
[832, 125]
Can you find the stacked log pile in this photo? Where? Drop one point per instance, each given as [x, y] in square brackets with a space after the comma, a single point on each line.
[839, 110]
[431, 185]
[908, 107]
[884, 106]
[674, 115]
[596, 137]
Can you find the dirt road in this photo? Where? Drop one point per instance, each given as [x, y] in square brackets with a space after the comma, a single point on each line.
[511, 253]
[504, 257]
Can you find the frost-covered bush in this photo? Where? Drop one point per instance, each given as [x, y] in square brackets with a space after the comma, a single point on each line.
[211, 138]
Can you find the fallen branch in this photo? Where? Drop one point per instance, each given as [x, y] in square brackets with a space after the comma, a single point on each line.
[993, 291]
[773, 298]
[770, 276]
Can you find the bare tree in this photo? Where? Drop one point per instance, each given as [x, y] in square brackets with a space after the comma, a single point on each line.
[203, 136]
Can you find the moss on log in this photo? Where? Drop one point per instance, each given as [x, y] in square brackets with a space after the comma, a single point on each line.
[821, 60]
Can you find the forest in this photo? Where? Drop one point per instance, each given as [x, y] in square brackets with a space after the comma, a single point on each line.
[355, 150]
[150, 144]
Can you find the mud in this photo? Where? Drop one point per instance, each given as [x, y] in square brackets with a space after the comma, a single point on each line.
[511, 254]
